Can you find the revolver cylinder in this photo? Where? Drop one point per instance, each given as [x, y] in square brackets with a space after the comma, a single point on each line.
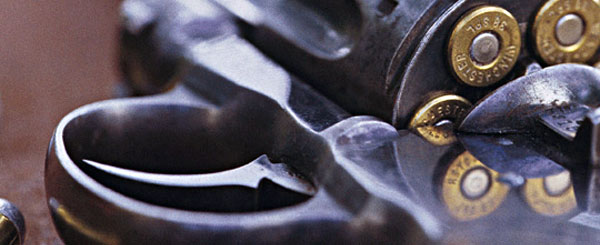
[403, 55]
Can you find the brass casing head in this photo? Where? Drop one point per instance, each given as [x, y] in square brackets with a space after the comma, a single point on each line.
[8, 232]
[464, 46]
[547, 31]
[446, 107]
[12, 224]
[454, 189]
[550, 196]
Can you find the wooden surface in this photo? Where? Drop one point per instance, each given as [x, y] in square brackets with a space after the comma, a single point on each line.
[54, 57]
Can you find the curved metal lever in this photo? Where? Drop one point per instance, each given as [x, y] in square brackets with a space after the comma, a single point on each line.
[248, 175]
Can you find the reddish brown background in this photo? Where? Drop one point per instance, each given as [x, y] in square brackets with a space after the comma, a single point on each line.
[54, 57]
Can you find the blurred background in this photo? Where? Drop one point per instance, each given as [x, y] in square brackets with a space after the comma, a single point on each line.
[54, 57]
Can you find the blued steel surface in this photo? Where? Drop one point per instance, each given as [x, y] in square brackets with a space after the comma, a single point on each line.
[246, 80]
[518, 106]
[221, 118]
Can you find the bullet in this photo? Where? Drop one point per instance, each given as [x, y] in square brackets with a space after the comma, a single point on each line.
[12, 224]
[567, 31]
[434, 120]
[470, 190]
[484, 46]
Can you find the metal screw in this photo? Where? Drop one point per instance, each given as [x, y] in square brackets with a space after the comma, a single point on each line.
[569, 29]
[485, 48]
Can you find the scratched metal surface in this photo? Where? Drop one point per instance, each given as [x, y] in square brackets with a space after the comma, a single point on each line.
[54, 57]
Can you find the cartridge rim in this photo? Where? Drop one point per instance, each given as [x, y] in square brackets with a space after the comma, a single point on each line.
[543, 201]
[444, 107]
[465, 208]
[548, 46]
[480, 21]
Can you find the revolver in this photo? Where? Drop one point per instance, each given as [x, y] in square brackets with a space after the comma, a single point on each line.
[339, 121]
